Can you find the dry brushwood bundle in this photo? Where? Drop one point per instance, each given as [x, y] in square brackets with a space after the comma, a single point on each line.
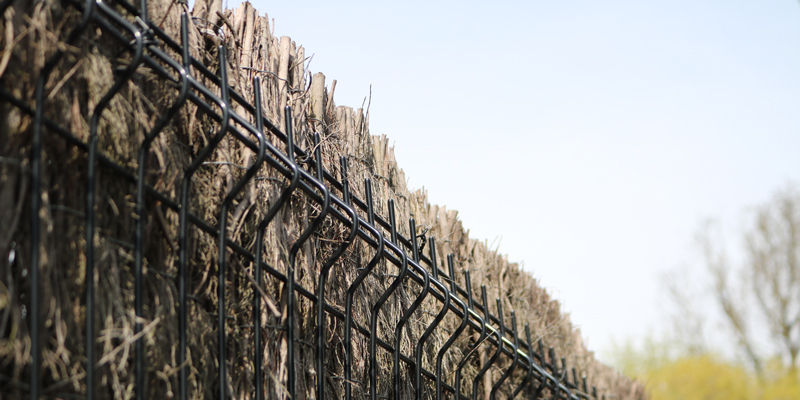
[187, 213]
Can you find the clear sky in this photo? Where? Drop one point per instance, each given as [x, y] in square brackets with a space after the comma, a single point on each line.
[588, 138]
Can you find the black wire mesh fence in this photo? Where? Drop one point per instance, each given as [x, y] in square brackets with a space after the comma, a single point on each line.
[523, 368]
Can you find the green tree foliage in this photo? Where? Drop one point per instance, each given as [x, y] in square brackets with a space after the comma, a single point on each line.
[699, 378]
[779, 382]
[669, 372]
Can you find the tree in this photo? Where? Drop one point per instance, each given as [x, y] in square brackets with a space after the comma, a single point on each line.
[768, 281]
[759, 302]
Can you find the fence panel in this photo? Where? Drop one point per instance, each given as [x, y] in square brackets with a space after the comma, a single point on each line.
[150, 52]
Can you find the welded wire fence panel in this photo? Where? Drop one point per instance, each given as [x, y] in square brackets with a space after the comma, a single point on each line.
[527, 369]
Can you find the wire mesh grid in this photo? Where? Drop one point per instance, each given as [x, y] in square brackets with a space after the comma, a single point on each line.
[150, 48]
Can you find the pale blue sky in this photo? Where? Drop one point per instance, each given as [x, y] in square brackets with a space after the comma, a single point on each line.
[592, 136]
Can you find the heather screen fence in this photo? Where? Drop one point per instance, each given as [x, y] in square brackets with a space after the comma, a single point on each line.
[252, 293]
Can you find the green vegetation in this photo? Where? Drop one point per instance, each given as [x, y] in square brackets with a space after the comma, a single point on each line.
[669, 374]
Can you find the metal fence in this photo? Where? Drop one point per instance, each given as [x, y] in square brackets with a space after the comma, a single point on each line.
[150, 48]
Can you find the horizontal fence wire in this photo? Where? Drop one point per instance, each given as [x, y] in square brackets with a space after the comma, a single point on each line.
[150, 47]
